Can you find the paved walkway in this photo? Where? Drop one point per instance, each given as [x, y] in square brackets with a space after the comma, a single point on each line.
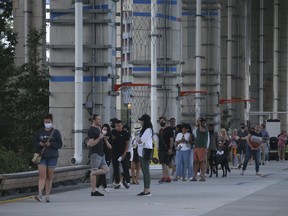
[235, 195]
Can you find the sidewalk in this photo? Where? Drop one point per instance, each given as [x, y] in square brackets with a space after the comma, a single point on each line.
[235, 195]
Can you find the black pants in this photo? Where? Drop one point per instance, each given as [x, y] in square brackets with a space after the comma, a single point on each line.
[116, 172]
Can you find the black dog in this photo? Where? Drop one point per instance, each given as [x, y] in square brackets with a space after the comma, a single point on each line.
[215, 159]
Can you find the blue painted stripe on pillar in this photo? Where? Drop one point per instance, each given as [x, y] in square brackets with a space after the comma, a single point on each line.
[203, 13]
[53, 15]
[148, 69]
[172, 2]
[72, 79]
[163, 16]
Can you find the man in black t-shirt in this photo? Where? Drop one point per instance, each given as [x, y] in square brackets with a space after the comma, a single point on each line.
[165, 150]
[96, 154]
[120, 144]
[242, 144]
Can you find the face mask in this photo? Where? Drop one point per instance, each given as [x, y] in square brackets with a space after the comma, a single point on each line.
[104, 132]
[162, 124]
[48, 125]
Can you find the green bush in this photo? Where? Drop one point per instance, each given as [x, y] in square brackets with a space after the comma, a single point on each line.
[12, 162]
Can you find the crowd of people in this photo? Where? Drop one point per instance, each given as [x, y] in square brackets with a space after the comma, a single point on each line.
[183, 150]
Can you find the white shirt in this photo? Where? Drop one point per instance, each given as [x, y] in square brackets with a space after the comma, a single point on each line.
[185, 146]
[146, 141]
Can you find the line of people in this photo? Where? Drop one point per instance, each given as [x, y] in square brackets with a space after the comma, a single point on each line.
[191, 150]
[106, 146]
[186, 151]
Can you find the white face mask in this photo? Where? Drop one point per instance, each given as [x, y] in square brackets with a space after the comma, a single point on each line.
[104, 132]
[48, 125]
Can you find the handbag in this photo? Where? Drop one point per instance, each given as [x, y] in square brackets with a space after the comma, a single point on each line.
[38, 156]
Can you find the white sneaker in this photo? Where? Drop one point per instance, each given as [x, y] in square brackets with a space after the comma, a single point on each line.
[38, 198]
[47, 199]
[106, 190]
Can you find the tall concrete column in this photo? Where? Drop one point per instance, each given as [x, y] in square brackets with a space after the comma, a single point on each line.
[28, 14]
[275, 59]
[198, 58]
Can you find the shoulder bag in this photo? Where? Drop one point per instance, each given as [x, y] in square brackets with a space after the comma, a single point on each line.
[37, 156]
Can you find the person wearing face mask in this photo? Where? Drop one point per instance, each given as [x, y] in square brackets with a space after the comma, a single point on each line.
[166, 141]
[120, 144]
[242, 144]
[50, 139]
[135, 162]
[107, 139]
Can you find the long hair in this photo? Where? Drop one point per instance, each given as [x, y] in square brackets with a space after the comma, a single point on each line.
[108, 128]
[146, 124]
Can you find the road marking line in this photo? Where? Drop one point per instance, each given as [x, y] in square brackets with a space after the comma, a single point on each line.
[15, 200]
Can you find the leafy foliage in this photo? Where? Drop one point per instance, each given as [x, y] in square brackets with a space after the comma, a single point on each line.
[24, 96]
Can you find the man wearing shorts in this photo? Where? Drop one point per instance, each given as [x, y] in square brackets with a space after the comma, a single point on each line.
[166, 141]
[96, 153]
[241, 148]
[200, 149]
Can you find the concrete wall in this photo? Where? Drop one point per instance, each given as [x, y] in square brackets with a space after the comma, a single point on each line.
[99, 59]
[36, 19]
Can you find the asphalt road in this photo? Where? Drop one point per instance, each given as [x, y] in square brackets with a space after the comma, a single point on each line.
[247, 195]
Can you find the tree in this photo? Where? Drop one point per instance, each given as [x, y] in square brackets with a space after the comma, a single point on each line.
[24, 95]
[28, 94]
[7, 46]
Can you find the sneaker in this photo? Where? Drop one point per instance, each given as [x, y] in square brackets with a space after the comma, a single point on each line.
[175, 179]
[96, 193]
[144, 194]
[258, 174]
[38, 198]
[239, 166]
[106, 190]
[162, 180]
[193, 179]
[147, 194]
[202, 179]
[126, 185]
[168, 179]
[242, 173]
[117, 186]
[141, 194]
[47, 199]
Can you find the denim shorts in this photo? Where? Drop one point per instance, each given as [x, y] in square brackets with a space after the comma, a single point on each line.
[49, 162]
